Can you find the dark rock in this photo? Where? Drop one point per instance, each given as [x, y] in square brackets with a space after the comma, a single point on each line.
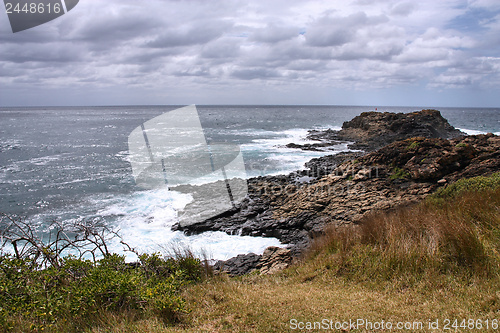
[240, 265]
[323, 146]
[271, 261]
[342, 188]
[325, 165]
[373, 130]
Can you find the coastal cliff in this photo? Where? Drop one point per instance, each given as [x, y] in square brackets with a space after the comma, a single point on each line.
[417, 153]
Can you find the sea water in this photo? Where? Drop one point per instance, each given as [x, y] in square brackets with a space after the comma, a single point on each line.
[72, 164]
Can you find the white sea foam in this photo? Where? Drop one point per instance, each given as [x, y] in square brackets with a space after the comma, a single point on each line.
[288, 159]
[9, 144]
[44, 160]
[475, 132]
[145, 219]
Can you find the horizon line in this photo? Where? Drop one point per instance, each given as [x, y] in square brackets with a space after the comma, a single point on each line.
[251, 105]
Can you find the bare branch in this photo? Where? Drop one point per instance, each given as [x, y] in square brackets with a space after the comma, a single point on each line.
[82, 238]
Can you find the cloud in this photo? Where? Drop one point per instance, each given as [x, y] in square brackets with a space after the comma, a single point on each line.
[336, 30]
[186, 35]
[486, 4]
[273, 33]
[54, 53]
[482, 71]
[435, 45]
[255, 73]
[222, 48]
[402, 9]
[236, 46]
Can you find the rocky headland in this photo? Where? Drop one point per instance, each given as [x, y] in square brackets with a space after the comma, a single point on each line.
[405, 157]
[373, 130]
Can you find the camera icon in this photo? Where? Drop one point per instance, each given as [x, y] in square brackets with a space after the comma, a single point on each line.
[170, 151]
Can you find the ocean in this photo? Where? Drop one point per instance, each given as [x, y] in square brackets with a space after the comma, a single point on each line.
[72, 163]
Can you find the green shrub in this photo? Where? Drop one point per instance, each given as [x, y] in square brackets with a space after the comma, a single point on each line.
[42, 288]
[398, 173]
[474, 184]
[71, 295]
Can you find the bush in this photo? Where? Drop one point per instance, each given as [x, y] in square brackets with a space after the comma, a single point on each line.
[474, 184]
[80, 290]
[70, 293]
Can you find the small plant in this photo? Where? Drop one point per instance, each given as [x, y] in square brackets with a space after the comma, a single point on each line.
[399, 173]
[413, 145]
[461, 145]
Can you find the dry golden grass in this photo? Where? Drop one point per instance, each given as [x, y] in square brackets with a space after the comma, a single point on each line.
[434, 261]
[426, 262]
[308, 293]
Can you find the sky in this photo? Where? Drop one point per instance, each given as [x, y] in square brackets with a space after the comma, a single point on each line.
[338, 52]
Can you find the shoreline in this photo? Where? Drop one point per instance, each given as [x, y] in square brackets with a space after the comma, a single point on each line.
[423, 154]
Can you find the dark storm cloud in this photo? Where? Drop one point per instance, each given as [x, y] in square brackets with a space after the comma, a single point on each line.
[114, 28]
[54, 53]
[9, 71]
[197, 72]
[39, 35]
[148, 56]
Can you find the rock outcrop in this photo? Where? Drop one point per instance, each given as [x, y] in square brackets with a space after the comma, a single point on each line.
[341, 189]
[374, 130]
[400, 173]
[271, 261]
[274, 259]
[240, 265]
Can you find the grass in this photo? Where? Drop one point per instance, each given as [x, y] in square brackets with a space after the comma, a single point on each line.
[435, 260]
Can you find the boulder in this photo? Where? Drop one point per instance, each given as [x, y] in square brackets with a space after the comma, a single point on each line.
[240, 265]
[271, 261]
[274, 259]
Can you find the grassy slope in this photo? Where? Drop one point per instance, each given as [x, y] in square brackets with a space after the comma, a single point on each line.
[436, 260]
